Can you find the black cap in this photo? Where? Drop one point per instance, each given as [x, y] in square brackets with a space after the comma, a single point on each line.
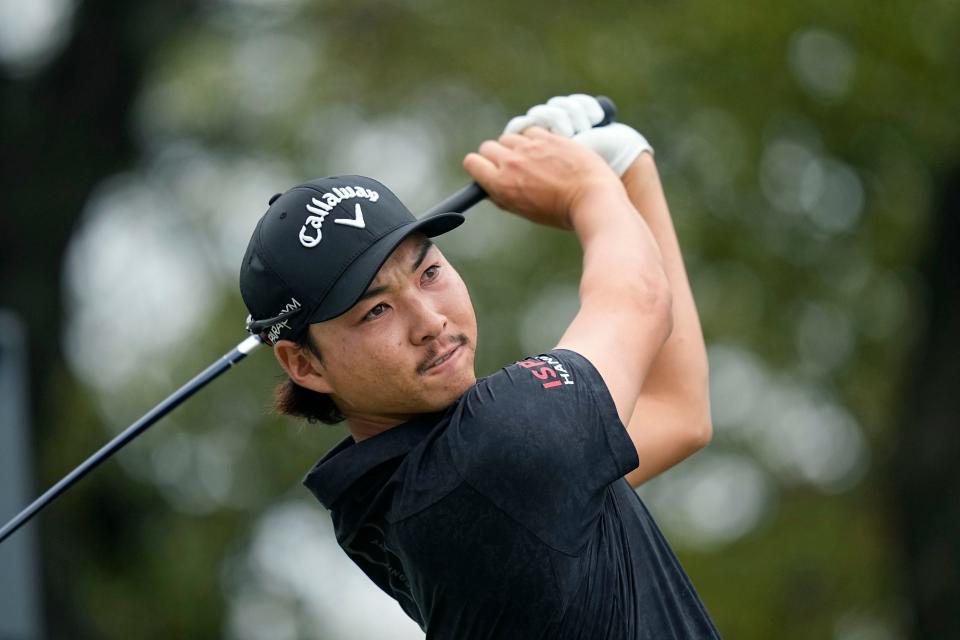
[317, 249]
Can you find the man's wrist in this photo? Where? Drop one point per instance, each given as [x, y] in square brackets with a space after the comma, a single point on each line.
[641, 174]
[599, 207]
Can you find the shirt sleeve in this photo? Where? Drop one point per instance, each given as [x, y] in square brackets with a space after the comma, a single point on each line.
[542, 440]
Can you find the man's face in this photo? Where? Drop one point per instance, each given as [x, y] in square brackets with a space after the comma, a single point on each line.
[380, 357]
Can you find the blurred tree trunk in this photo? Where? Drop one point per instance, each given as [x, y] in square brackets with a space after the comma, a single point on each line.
[65, 129]
[926, 465]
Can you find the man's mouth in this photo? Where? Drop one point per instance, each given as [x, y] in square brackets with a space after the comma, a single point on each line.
[458, 342]
[439, 361]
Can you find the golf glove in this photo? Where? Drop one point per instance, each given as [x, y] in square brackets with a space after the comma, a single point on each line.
[574, 116]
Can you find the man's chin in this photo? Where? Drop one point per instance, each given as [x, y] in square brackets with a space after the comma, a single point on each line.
[451, 393]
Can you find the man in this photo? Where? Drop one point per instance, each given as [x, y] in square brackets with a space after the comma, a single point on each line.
[500, 507]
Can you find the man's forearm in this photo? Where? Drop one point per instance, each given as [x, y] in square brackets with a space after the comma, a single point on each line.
[671, 419]
[624, 295]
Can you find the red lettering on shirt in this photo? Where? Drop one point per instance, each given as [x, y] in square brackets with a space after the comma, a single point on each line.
[546, 371]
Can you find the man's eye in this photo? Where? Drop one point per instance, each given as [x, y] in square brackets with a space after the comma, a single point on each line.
[376, 312]
[432, 272]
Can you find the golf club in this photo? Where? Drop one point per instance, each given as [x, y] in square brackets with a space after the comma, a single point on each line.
[458, 202]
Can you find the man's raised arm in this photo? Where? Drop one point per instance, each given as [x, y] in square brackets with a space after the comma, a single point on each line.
[624, 315]
[671, 419]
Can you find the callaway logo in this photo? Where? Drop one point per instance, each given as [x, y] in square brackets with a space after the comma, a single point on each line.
[288, 309]
[357, 220]
[323, 205]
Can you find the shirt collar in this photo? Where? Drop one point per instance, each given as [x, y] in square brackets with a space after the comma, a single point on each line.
[349, 460]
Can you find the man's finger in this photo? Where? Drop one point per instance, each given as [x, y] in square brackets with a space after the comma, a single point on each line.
[591, 106]
[553, 118]
[536, 132]
[494, 151]
[518, 124]
[480, 169]
[512, 140]
[577, 114]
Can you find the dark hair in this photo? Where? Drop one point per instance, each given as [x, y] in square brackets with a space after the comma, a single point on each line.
[290, 399]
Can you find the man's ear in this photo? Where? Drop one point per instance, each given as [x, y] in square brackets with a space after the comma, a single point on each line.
[302, 365]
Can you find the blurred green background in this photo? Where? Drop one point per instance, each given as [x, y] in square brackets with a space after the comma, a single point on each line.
[811, 155]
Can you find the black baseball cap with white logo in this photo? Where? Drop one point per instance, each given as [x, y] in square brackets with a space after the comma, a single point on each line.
[317, 249]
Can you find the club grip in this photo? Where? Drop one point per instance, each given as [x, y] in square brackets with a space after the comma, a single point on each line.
[609, 111]
[474, 193]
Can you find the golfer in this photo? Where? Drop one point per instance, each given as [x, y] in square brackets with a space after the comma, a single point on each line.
[498, 507]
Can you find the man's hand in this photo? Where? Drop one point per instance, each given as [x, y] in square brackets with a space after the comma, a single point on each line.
[539, 175]
[575, 116]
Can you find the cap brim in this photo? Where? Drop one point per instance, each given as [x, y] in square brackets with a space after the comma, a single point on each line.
[357, 277]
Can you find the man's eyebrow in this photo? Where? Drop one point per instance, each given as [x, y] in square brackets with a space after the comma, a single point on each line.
[425, 245]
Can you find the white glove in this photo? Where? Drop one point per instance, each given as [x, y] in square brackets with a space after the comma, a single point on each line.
[574, 116]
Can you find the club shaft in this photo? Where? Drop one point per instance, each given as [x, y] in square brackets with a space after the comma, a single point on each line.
[169, 404]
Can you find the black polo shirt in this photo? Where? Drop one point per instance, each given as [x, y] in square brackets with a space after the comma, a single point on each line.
[507, 515]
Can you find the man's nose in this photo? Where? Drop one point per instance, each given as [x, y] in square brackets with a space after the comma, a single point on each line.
[428, 322]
